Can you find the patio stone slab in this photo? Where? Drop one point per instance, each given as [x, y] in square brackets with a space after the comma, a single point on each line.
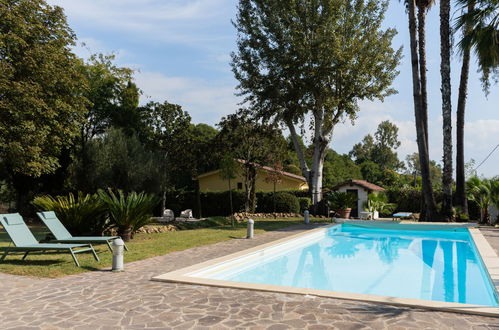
[130, 300]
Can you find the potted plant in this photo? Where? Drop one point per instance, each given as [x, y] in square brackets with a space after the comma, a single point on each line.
[378, 203]
[342, 203]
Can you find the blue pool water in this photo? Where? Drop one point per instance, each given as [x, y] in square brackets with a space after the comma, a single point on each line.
[441, 265]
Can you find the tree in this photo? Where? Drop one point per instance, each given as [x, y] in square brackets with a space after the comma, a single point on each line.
[228, 171]
[119, 161]
[319, 58]
[429, 209]
[480, 24]
[414, 169]
[377, 156]
[169, 134]
[480, 191]
[41, 101]
[423, 7]
[461, 198]
[109, 87]
[254, 144]
[445, 50]
[339, 168]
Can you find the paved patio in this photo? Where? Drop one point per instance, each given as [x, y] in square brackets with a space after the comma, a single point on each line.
[105, 300]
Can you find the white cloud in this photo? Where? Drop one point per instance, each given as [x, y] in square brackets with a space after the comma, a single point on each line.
[205, 100]
[188, 22]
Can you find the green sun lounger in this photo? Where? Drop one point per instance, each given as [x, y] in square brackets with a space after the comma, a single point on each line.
[23, 240]
[62, 235]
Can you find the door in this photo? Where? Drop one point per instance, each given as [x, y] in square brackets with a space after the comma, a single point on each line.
[355, 211]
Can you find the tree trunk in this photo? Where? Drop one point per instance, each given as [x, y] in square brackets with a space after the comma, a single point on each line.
[249, 185]
[461, 198]
[422, 68]
[430, 211]
[231, 208]
[446, 108]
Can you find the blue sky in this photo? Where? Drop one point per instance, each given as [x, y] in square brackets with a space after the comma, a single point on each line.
[181, 51]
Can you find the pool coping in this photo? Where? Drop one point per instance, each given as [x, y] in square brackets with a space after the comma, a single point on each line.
[486, 252]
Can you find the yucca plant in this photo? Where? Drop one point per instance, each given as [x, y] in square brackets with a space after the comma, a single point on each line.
[81, 214]
[128, 212]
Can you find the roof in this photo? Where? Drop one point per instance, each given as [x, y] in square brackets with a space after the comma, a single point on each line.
[265, 168]
[362, 183]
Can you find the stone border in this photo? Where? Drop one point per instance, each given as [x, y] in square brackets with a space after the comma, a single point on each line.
[488, 255]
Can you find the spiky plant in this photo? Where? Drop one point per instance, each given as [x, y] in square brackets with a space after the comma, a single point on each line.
[81, 214]
[128, 212]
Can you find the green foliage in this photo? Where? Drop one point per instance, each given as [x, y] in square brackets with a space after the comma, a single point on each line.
[118, 161]
[128, 212]
[110, 92]
[484, 192]
[305, 203]
[414, 167]
[41, 86]
[341, 200]
[313, 59]
[243, 138]
[378, 202]
[284, 202]
[377, 156]
[82, 214]
[339, 168]
[480, 28]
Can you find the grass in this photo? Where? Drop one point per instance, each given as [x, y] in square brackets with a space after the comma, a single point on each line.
[143, 246]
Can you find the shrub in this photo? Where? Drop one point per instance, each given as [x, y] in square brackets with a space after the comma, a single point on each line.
[305, 203]
[341, 200]
[83, 214]
[128, 212]
[284, 202]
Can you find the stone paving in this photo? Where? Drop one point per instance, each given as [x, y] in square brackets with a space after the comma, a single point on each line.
[129, 300]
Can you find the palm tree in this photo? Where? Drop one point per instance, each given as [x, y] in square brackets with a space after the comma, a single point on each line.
[482, 35]
[423, 7]
[430, 210]
[445, 47]
[461, 199]
[480, 191]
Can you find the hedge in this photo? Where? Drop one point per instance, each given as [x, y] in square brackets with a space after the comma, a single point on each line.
[284, 202]
[217, 203]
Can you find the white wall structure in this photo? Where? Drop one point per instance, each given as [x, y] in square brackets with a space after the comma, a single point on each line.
[363, 188]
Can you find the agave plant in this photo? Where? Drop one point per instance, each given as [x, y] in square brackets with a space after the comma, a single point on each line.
[81, 214]
[128, 212]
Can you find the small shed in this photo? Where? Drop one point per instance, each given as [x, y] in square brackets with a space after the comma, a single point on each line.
[361, 190]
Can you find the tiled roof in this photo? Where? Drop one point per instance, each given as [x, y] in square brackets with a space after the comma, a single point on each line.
[270, 169]
[363, 183]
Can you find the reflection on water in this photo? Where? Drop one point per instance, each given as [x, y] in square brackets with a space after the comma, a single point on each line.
[434, 265]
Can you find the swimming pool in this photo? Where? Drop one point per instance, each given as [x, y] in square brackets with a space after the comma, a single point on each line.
[433, 263]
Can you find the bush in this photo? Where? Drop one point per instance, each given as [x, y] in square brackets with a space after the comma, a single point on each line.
[305, 203]
[83, 214]
[284, 202]
[128, 212]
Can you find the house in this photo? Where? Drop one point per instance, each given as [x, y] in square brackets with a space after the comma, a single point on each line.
[212, 181]
[361, 189]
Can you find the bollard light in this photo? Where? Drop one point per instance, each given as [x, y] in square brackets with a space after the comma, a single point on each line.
[306, 217]
[251, 225]
[118, 247]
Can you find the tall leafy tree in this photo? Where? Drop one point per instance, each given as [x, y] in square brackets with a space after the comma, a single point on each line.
[41, 89]
[169, 134]
[429, 208]
[445, 54]
[315, 57]
[254, 144]
[377, 156]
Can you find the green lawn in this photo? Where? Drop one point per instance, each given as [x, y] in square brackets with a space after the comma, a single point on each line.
[141, 247]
